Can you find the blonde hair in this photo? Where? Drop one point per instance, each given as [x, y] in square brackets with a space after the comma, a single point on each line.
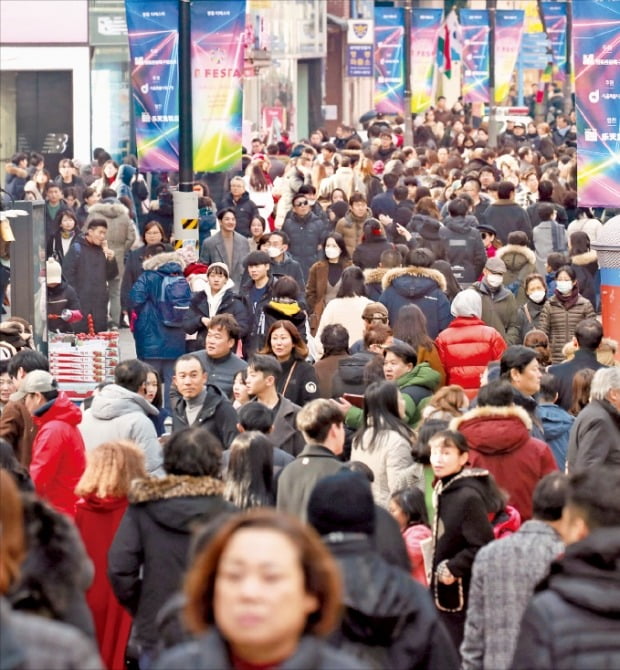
[446, 403]
[110, 469]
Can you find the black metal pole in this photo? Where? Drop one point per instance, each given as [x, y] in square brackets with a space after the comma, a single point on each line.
[493, 129]
[408, 136]
[186, 149]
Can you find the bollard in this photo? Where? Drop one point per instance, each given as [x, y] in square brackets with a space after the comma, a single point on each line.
[607, 247]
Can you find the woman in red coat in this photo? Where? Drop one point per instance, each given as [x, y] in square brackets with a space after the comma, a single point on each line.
[468, 345]
[110, 469]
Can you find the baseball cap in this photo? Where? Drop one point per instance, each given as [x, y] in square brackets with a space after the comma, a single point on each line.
[496, 265]
[37, 381]
[375, 310]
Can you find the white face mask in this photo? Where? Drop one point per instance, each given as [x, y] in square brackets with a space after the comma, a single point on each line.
[494, 280]
[332, 252]
[274, 252]
[564, 287]
[537, 296]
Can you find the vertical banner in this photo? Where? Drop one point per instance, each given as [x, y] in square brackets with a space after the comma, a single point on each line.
[596, 49]
[389, 66]
[360, 37]
[555, 23]
[508, 32]
[218, 28]
[475, 31]
[425, 25]
[152, 27]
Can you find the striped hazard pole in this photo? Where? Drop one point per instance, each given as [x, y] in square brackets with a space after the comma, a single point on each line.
[185, 213]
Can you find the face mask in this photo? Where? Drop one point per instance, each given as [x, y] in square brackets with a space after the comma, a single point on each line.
[564, 287]
[494, 280]
[332, 252]
[274, 252]
[311, 202]
[537, 296]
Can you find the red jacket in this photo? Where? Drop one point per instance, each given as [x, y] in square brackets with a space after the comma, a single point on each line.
[97, 520]
[466, 347]
[499, 441]
[413, 537]
[58, 455]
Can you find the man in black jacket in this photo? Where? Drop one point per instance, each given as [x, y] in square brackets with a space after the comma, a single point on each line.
[505, 215]
[389, 619]
[201, 404]
[574, 619]
[588, 335]
[239, 200]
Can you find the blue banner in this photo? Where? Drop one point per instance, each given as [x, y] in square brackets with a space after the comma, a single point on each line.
[152, 27]
[359, 60]
[555, 26]
[475, 32]
[389, 65]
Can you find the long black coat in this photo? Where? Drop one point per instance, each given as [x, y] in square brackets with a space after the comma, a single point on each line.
[573, 621]
[149, 555]
[86, 269]
[388, 617]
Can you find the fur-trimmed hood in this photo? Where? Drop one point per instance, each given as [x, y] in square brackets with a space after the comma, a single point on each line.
[516, 256]
[374, 275]
[585, 259]
[415, 272]
[108, 210]
[494, 430]
[159, 260]
[173, 486]
[467, 476]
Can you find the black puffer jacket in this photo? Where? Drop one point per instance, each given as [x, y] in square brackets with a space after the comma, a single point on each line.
[427, 230]
[573, 622]
[464, 248]
[148, 557]
[389, 620]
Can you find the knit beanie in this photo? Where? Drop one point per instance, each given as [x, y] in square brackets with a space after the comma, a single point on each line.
[343, 503]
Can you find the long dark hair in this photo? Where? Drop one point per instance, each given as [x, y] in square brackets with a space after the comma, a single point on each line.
[411, 502]
[381, 413]
[411, 327]
[249, 477]
[351, 283]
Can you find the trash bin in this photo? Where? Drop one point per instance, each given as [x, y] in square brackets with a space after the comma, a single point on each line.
[607, 247]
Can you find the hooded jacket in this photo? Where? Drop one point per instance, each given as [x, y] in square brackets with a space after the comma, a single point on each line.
[499, 440]
[466, 347]
[499, 310]
[149, 555]
[154, 339]
[389, 620]
[372, 280]
[119, 414]
[574, 619]
[464, 247]
[588, 275]
[520, 262]
[419, 286]
[58, 454]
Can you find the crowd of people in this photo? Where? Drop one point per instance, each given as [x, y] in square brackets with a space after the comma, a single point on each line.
[373, 421]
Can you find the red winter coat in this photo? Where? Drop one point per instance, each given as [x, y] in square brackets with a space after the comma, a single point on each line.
[413, 536]
[466, 347]
[97, 520]
[58, 455]
[499, 440]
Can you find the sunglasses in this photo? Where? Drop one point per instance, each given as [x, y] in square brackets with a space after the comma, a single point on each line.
[485, 235]
[300, 203]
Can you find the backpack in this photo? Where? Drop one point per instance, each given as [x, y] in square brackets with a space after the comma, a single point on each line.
[174, 299]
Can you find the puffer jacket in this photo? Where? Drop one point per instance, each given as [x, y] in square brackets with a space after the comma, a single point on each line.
[466, 347]
[419, 286]
[351, 228]
[305, 236]
[464, 248]
[119, 414]
[149, 555]
[499, 310]
[520, 262]
[556, 423]
[154, 339]
[573, 621]
[559, 323]
[428, 230]
[121, 230]
[499, 440]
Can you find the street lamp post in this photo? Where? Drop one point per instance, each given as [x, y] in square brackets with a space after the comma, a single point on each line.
[493, 125]
[408, 130]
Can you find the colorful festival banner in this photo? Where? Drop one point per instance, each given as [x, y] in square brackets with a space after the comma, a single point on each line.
[152, 27]
[555, 23]
[389, 63]
[475, 31]
[508, 32]
[596, 49]
[218, 28]
[425, 25]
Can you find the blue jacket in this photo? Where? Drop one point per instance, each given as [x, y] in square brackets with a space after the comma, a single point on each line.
[556, 423]
[153, 339]
[423, 287]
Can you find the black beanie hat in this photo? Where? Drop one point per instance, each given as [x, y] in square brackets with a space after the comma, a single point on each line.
[342, 503]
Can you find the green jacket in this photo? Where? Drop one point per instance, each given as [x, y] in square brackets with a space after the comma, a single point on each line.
[416, 387]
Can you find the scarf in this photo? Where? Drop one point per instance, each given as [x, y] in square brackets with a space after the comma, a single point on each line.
[569, 300]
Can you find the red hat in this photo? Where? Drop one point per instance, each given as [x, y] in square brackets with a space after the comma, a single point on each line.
[195, 269]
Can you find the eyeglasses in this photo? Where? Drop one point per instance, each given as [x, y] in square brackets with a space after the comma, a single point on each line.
[300, 203]
[485, 235]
